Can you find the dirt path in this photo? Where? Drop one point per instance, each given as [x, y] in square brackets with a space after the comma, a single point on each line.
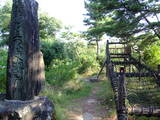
[88, 108]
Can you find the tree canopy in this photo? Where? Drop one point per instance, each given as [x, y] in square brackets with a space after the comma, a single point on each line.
[5, 16]
[123, 19]
[48, 26]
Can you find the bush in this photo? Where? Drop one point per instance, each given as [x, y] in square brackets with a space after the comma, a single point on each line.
[52, 50]
[3, 66]
[151, 55]
[87, 62]
[61, 71]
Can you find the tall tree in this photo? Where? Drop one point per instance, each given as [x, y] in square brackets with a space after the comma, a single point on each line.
[124, 18]
[48, 26]
[93, 34]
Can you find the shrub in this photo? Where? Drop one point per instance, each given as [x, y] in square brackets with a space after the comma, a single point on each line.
[3, 66]
[87, 62]
[151, 55]
[52, 50]
[61, 71]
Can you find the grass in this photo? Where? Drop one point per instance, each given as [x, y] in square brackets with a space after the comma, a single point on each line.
[142, 118]
[62, 97]
[106, 95]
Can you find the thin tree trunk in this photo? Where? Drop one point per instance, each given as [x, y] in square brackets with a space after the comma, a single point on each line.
[98, 49]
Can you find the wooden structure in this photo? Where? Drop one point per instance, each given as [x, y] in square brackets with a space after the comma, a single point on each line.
[135, 85]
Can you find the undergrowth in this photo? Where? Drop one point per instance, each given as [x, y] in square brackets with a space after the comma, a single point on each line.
[106, 95]
[142, 118]
[3, 66]
[62, 96]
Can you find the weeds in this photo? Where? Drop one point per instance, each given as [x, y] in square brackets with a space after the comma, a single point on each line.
[63, 96]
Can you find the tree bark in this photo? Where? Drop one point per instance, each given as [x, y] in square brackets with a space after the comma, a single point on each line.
[25, 69]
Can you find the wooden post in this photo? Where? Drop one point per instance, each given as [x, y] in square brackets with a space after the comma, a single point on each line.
[121, 106]
[127, 50]
[107, 52]
[158, 68]
[107, 58]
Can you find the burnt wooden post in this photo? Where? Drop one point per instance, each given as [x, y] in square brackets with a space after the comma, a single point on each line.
[107, 52]
[159, 68]
[128, 50]
[107, 58]
[121, 106]
[25, 70]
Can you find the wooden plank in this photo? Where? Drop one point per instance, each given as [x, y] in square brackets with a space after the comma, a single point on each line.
[124, 62]
[119, 54]
[126, 56]
[144, 111]
[117, 43]
[137, 74]
[116, 48]
[142, 65]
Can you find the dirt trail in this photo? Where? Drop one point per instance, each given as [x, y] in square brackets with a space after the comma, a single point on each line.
[88, 108]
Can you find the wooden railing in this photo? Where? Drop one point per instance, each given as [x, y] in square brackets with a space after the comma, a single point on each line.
[118, 80]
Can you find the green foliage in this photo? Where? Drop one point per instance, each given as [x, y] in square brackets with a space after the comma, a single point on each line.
[86, 57]
[122, 18]
[67, 61]
[143, 118]
[63, 96]
[151, 55]
[5, 15]
[87, 62]
[67, 34]
[52, 50]
[49, 26]
[107, 93]
[3, 66]
[61, 71]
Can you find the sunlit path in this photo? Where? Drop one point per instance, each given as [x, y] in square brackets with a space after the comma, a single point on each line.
[89, 108]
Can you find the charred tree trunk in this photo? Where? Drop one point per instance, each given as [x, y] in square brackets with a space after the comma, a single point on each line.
[25, 70]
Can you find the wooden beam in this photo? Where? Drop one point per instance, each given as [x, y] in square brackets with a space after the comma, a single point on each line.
[118, 54]
[117, 43]
[144, 111]
[122, 56]
[124, 62]
[137, 74]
